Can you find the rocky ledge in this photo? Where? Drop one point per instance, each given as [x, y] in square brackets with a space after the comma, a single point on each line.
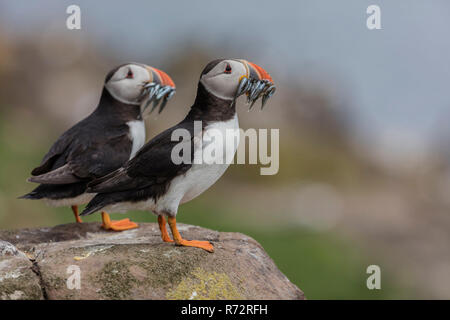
[82, 261]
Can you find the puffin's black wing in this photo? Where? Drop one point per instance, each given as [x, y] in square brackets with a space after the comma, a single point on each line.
[152, 165]
[62, 175]
[103, 154]
[84, 152]
[53, 156]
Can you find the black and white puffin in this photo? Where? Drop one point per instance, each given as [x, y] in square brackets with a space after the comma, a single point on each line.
[103, 141]
[152, 181]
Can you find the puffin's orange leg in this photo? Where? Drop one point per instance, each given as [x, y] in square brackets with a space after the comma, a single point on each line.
[162, 227]
[206, 245]
[75, 213]
[120, 225]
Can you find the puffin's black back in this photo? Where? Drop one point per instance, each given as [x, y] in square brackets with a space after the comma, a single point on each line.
[94, 147]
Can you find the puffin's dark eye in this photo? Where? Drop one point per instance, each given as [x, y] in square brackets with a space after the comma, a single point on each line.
[228, 68]
[130, 74]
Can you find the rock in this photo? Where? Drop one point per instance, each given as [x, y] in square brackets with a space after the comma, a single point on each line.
[82, 261]
[18, 279]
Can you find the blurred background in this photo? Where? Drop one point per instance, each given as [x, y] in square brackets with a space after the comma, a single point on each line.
[363, 116]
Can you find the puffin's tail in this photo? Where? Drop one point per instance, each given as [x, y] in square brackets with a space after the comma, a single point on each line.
[100, 201]
[56, 191]
[33, 195]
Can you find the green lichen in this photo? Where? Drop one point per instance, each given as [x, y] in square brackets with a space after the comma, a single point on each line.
[166, 264]
[54, 282]
[161, 266]
[202, 285]
[115, 280]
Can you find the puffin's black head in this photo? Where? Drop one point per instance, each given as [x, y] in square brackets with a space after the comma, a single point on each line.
[227, 79]
[135, 83]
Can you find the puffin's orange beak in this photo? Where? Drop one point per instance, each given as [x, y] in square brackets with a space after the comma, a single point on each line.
[257, 71]
[162, 77]
[159, 87]
[257, 83]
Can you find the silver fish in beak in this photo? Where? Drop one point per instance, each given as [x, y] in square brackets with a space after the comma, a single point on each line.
[159, 89]
[257, 84]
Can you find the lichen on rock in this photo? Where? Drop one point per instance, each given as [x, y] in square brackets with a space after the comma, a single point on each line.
[203, 285]
[116, 280]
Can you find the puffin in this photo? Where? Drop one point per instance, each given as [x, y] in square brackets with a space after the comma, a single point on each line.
[103, 141]
[156, 181]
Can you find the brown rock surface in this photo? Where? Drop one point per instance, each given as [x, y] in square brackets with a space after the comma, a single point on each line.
[18, 278]
[135, 264]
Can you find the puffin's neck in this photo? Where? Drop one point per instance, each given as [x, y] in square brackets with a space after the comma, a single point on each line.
[210, 108]
[113, 108]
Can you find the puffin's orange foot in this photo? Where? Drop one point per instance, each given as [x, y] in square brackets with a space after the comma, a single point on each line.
[166, 239]
[120, 225]
[205, 245]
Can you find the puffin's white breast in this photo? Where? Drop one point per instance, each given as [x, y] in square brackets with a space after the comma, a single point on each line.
[203, 175]
[137, 135]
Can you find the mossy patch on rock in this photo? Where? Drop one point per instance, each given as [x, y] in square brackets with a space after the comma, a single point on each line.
[166, 264]
[203, 285]
[55, 282]
[116, 280]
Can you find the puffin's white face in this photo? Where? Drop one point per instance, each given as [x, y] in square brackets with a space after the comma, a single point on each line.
[223, 80]
[126, 84]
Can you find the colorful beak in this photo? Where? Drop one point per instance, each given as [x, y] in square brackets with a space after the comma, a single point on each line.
[258, 72]
[257, 83]
[160, 88]
[162, 77]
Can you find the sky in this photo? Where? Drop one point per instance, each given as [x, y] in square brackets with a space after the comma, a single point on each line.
[397, 78]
